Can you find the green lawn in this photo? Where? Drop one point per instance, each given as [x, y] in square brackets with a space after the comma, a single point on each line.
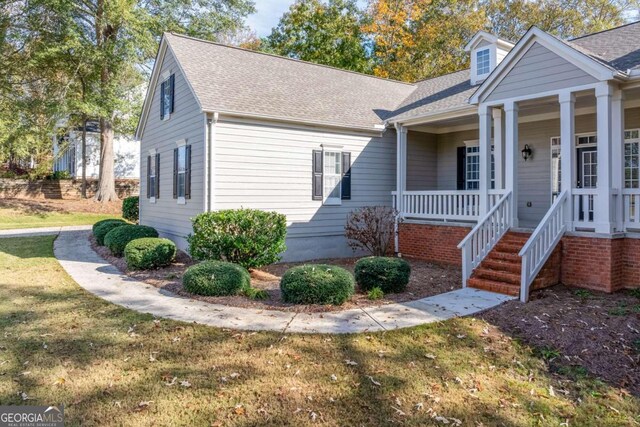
[112, 366]
[10, 218]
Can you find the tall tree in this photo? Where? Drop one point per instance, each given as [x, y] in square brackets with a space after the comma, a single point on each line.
[416, 39]
[111, 44]
[325, 33]
[563, 18]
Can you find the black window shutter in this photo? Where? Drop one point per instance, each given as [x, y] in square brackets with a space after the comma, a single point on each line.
[346, 176]
[187, 175]
[157, 175]
[462, 154]
[162, 101]
[148, 177]
[172, 85]
[316, 193]
[175, 173]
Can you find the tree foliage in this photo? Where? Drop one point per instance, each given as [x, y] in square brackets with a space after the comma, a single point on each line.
[90, 58]
[326, 33]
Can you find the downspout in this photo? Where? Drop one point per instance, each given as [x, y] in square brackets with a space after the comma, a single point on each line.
[212, 120]
[399, 186]
[205, 181]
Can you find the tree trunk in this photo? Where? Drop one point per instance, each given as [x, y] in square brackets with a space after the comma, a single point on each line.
[84, 156]
[106, 185]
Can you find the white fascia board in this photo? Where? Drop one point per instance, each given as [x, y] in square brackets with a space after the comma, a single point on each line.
[451, 113]
[586, 63]
[371, 131]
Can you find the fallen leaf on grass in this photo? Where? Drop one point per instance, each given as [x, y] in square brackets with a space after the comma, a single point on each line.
[59, 381]
[172, 382]
[350, 362]
[185, 383]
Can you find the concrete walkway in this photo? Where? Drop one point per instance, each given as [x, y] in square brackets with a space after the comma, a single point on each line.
[93, 273]
[42, 231]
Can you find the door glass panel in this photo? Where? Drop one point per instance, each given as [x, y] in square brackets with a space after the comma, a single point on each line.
[589, 169]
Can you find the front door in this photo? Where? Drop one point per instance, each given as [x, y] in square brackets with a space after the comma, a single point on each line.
[587, 178]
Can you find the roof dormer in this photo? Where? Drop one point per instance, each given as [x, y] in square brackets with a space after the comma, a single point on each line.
[486, 51]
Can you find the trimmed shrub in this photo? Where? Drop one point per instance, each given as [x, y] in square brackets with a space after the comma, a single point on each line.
[388, 274]
[104, 221]
[130, 209]
[316, 284]
[118, 238]
[216, 278]
[149, 252]
[249, 237]
[105, 227]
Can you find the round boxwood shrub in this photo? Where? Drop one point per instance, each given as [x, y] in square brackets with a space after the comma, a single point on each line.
[118, 238]
[101, 229]
[216, 278]
[388, 274]
[317, 284]
[249, 237]
[104, 221]
[149, 252]
[130, 208]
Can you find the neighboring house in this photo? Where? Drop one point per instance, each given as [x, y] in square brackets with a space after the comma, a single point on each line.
[67, 154]
[524, 169]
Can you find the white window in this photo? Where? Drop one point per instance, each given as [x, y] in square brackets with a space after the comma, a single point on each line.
[152, 178]
[332, 177]
[483, 63]
[632, 159]
[166, 97]
[472, 168]
[182, 173]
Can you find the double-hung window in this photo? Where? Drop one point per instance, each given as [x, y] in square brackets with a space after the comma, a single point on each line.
[331, 176]
[182, 172]
[632, 158]
[472, 168]
[167, 91]
[483, 62]
[153, 176]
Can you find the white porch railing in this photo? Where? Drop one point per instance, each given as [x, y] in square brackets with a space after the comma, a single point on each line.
[541, 244]
[584, 200]
[631, 208]
[461, 205]
[485, 235]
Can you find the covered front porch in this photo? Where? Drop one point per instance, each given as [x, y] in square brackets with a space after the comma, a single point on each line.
[455, 169]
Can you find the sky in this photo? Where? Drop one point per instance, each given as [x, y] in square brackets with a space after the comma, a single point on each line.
[268, 13]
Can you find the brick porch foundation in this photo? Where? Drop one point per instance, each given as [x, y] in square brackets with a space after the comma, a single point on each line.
[598, 263]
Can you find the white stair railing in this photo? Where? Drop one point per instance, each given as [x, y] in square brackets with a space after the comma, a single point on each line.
[485, 235]
[541, 244]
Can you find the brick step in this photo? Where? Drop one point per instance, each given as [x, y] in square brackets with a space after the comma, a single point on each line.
[508, 247]
[497, 276]
[504, 256]
[514, 240]
[493, 286]
[501, 265]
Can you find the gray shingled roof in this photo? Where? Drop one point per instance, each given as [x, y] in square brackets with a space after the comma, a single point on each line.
[234, 80]
[437, 94]
[618, 47]
[228, 79]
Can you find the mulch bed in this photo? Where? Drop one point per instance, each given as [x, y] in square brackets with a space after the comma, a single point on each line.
[578, 330]
[426, 280]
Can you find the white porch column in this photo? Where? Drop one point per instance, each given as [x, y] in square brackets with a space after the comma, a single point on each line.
[401, 166]
[512, 157]
[602, 205]
[498, 147]
[617, 155]
[484, 116]
[567, 152]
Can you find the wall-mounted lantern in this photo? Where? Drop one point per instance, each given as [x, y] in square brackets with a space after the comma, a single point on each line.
[526, 152]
